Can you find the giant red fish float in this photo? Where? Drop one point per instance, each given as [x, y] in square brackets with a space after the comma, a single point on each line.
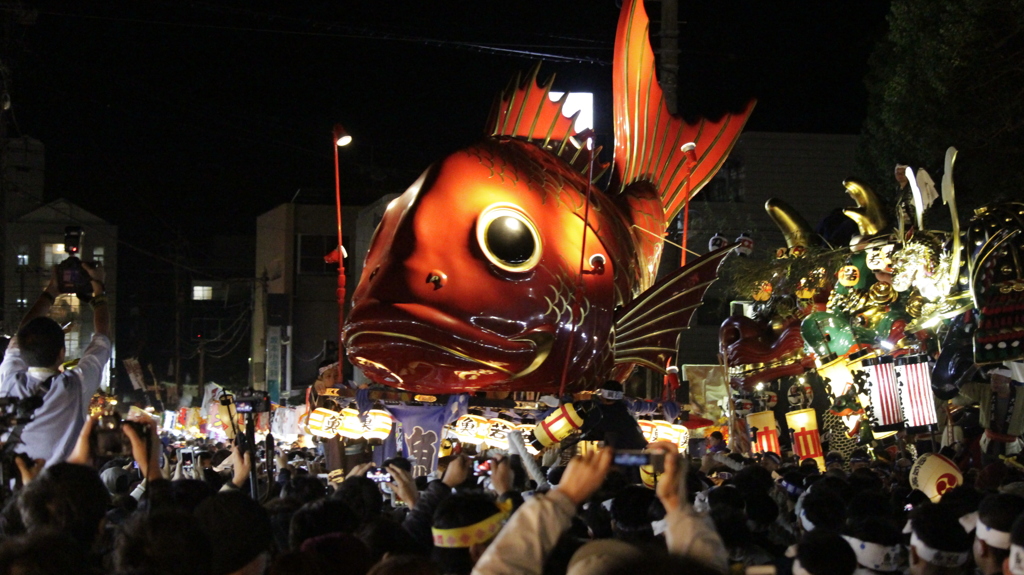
[504, 268]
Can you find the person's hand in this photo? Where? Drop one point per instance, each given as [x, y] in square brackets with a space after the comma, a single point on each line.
[243, 464]
[28, 471]
[404, 485]
[502, 476]
[95, 271]
[671, 488]
[53, 286]
[147, 453]
[457, 472]
[82, 453]
[585, 474]
[360, 470]
[179, 471]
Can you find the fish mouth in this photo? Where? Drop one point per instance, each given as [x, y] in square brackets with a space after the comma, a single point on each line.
[414, 346]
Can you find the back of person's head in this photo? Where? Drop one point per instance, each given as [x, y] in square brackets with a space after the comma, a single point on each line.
[405, 565]
[320, 517]
[304, 488]
[603, 556]
[824, 552]
[598, 521]
[761, 510]
[731, 525]
[453, 553]
[877, 543]
[963, 499]
[726, 496]
[389, 538]
[937, 537]
[996, 515]
[823, 508]
[182, 495]
[68, 498]
[165, 543]
[241, 524]
[40, 341]
[399, 462]
[629, 511]
[42, 553]
[753, 479]
[717, 435]
[362, 496]
[339, 553]
[863, 479]
[869, 504]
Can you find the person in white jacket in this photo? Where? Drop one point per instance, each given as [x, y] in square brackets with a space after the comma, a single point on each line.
[522, 547]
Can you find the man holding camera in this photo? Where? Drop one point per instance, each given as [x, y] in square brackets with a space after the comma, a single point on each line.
[31, 367]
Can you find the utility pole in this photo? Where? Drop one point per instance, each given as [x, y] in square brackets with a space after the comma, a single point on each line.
[177, 320]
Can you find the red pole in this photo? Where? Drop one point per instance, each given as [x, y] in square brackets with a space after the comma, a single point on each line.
[339, 373]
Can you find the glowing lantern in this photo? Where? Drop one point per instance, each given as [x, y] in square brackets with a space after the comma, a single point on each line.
[667, 432]
[497, 433]
[526, 429]
[325, 423]
[934, 475]
[351, 426]
[838, 374]
[884, 412]
[557, 426]
[684, 437]
[766, 432]
[378, 424]
[916, 396]
[803, 424]
[466, 428]
[649, 429]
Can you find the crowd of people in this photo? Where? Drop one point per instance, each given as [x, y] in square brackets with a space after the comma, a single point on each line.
[156, 508]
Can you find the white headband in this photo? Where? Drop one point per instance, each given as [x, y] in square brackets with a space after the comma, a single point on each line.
[1016, 559]
[970, 521]
[994, 537]
[798, 569]
[936, 557]
[876, 556]
[808, 526]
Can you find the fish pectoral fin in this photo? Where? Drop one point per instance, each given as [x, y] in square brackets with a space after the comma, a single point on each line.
[647, 330]
[543, 341]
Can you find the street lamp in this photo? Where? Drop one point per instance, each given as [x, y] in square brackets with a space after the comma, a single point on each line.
[340, 137]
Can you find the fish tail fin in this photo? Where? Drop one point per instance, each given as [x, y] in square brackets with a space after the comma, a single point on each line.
[649, 140]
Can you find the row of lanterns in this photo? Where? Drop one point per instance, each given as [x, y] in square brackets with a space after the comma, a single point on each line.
[476, 429]
[665, 431]
[326, 423]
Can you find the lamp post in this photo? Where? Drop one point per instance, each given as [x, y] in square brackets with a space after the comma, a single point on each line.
[340, 137]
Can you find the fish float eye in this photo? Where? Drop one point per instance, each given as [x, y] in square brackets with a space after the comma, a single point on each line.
[508, 238]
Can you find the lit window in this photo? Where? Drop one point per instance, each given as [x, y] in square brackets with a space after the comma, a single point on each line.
[97, 254]
[22, 259]
[22, 302]
[53, 254]
[201, 292]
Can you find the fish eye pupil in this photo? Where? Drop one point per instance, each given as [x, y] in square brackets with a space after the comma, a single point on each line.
[510, 240]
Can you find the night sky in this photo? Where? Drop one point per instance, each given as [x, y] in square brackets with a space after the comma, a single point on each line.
[159, 115]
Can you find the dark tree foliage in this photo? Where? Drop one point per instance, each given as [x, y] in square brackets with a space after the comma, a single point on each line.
[950, 73]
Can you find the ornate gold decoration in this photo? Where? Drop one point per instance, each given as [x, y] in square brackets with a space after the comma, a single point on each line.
[868, 214]
[794, 227]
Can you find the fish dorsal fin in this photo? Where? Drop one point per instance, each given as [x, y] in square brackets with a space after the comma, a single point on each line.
[647, 330]
[525, 111]
[648, 138]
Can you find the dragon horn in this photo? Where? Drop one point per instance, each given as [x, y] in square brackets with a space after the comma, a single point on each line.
[793, 226]
[868, 214]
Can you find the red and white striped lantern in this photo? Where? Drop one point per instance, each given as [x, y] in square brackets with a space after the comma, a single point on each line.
[886, 414]
[916, 396]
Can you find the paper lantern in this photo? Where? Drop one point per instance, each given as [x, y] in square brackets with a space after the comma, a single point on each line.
[351, 425]
[557, 426]
[838, 374]
[649, 429]
[746, 246]
[526, 429]
[717, 242]
[766, 432]
[467, 427]
[884, 413]
[667, 432]
[378, 424]
[684, 437]
[916, 396]
[325, 422]
[496, 434]
[803, 425]
[934, 475]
